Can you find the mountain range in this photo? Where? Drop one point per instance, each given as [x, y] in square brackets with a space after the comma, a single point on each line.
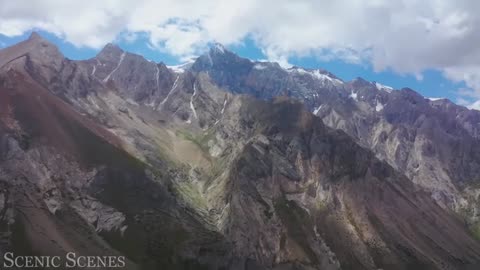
[229, 163]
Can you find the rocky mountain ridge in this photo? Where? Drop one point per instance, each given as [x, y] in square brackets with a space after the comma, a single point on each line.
[219, 166]
[434, 142]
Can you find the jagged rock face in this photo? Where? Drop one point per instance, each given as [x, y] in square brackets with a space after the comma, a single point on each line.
[62, 171]
[119, 155]
[307, 185]
[135, 78]
[435, 143]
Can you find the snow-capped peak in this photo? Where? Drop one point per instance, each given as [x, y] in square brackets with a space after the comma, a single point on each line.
[219, 47]
[435, 99]
[316, 73]
[383, 87]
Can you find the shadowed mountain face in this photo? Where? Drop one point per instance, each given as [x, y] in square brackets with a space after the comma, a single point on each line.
[435, 143]
[230, 164]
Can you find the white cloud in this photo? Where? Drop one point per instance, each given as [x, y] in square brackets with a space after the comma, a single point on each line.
[475, 105]
[470, 74]
[407, 36]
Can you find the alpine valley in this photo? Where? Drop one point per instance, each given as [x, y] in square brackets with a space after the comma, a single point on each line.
[227, 163]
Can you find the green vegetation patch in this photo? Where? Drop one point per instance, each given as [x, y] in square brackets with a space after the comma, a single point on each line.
[475, 229]
[201, 140]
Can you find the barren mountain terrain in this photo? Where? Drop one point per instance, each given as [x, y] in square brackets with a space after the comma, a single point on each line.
[229, 163]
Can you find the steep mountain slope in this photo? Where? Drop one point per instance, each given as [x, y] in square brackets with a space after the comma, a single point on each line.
[313, 193]
[176, 170]
[434, 142]
[69, 187]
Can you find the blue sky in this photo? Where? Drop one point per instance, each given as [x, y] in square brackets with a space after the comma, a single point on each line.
[433, 84]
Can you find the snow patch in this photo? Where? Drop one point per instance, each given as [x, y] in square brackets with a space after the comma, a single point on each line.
[354, 96]
[171, 91]
[95, 67]
[379, 106]
[219, 47]
[259, 66]
[383, 87]
[191, 101]
[224, 105]
[297, 69]
[324, 77]
[182, 67]
[317, 109]
[157, 73]
[115, 69]
[177, 68]
[435, 99]
[316, 74]
[210, 59]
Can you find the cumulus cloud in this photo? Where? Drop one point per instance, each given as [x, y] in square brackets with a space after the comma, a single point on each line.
[407, 36]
